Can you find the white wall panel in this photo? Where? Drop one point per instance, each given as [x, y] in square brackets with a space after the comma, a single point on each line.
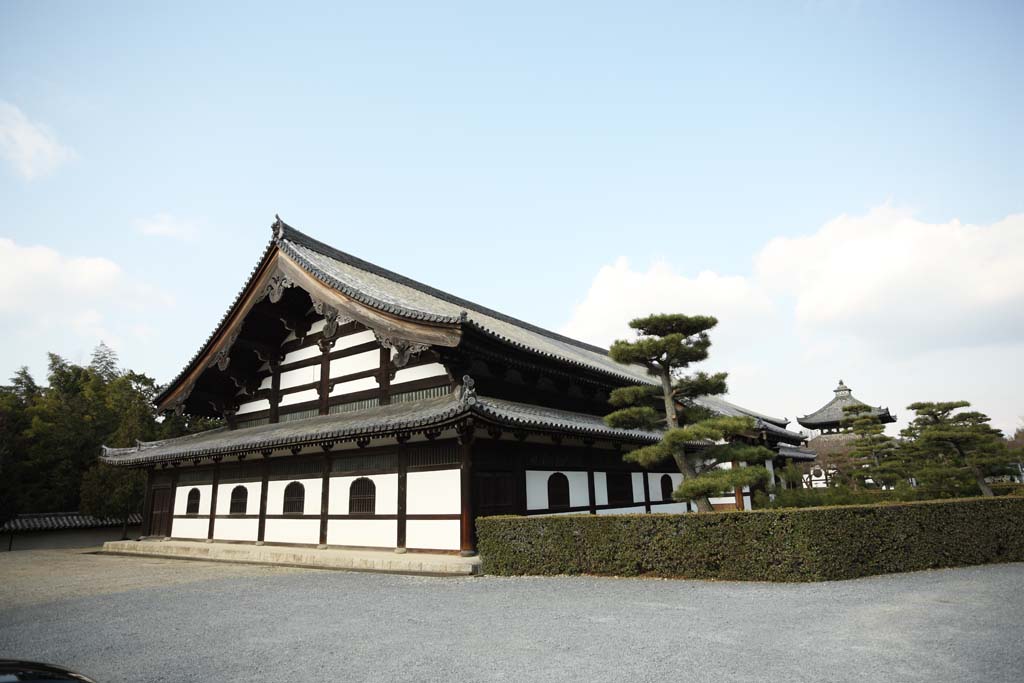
[670, 508]
[293, 378]
[358, 363]
[537, 489]
[654, 479]
[181, 499]
[354, 340]
[316, 326]
[292, 530]
[600, 489]
[253, 406]
[252, 503]
[355, 385]
[437, 534]
[228, 529]
[433, 493]
[419, 372]
[638, 486]
[387, 494]
[299, 397]
[275, 496]
[376, 533]
[192, 527]
[623, 511]
[302, 354]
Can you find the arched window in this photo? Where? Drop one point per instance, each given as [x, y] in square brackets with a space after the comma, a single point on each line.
[239, 500]
[294, 498]
[192, 508]
[666, 487]
[362, 497]
[558, 491]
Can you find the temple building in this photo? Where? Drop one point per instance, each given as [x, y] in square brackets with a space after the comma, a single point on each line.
[831, 434]
[364, 409]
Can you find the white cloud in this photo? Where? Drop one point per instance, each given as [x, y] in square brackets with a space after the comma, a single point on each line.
[891, 281]
[53, 302]
[902, 309]
[166, 225]
[30, 147]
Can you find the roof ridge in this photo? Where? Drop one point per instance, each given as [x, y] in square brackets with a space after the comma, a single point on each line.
[293, 234]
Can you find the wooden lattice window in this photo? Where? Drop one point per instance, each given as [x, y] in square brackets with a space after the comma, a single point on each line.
[666, 487]
[294, 498]
[192, 506]
[239, 500]
[362, 497]
[558, 491]
[620, 488]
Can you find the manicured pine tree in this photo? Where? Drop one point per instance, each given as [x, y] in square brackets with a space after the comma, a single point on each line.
[946, 445]
[872, 453]
[666, 345]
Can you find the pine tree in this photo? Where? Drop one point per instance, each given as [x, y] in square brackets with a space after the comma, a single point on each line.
[948, 448]
[666, 345]
[872, 454]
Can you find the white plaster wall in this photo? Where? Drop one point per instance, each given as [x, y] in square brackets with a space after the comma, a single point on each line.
[253, 406]
[433, 493]
[537, 489]
[193, 527]
[638, 486]
[654, 482]
[315, 327]
[355, 385]
[600, 489]
[275, 496]
[293, 378]
[671, 508]
[387, 495]
[232, 529]
[252, 503]
[181, 499]
[299, 397]
[633, 510]
[292, 530]
[376, 533]
[354, 340]
[369, 360]
[419, 372]
[437, 534]
[302, 354]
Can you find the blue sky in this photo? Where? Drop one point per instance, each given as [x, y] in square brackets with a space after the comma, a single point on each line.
[513, 155]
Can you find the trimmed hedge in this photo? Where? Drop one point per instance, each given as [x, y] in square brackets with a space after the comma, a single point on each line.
[809, 544]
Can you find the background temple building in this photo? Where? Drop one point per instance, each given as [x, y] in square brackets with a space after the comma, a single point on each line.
[364, 409]
[831, 435]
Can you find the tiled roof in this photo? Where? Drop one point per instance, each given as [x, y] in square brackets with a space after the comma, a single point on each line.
[796, 452]
[399, 295]
[773, 425]
[833, 413]
[379, 421]
[53, 521]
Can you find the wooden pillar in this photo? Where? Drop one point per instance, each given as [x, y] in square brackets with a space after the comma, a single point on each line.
[325, 494]
[591, 489]
[325, 375]
[264, 487]
[520, 462]
[213, 498]
[403, 468]
[647, 492]
[147, 504]
[384, 377]
[275, 391]
[468, 535]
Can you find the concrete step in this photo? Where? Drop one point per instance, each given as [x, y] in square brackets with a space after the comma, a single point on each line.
[296, 556]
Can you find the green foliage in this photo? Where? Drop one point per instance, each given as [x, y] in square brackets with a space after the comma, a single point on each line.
[51, 436]
[636, 417]
[872, 459]
[819, 544]
[946, 448]
[112, 491]
[720, 482]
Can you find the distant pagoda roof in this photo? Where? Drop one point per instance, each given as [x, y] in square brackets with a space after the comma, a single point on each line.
[832, 414]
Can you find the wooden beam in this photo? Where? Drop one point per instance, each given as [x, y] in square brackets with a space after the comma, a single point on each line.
[213, 498]
[403, 466]
[467, 532]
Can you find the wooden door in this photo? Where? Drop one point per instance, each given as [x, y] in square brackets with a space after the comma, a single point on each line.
[160, 513]
[495, 493]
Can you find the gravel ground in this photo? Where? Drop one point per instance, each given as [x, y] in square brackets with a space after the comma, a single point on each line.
[194, 621]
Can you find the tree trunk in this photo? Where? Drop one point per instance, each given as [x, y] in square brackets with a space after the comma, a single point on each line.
[670, 404]
[979, 476]
[124, 529]
[703, 502]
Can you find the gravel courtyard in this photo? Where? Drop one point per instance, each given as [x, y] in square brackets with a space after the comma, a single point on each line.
[138, 619]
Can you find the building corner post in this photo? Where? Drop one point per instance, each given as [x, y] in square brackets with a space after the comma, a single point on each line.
[467, 533]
